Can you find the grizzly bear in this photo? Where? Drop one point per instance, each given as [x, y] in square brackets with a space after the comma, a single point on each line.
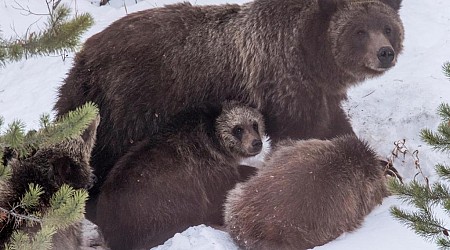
[179, 178]
[292, 59]
[307, 194]
[50, 167]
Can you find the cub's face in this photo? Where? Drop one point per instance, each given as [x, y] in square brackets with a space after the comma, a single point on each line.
[240, 129]
[366, 37]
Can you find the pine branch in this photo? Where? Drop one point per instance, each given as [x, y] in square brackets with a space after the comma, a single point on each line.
[43, 238]
[44, 121]
[413, 193]
[423, 222]
[443, 243]
[14, 137]
[68, 206]
[31, 198]
[444, 110]
[439, 140]
[446, 69]
[69, 126]
[443, 171]
[19, 241]
[60, 34]
[5, 172]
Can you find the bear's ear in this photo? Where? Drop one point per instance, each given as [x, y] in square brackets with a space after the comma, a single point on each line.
[395, 4]
[89, 136]
[329, 7]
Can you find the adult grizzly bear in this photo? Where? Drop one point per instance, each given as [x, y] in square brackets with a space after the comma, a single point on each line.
[292, 59]
[50, 167]
[179, 178]
[307, 194]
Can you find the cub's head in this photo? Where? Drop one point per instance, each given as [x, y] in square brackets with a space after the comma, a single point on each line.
[68, 161]
[366, 36]
[239, 129]
[50, 167]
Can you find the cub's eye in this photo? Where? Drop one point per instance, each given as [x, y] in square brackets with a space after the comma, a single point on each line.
[255, 126]
[237, 132]
[387, 30]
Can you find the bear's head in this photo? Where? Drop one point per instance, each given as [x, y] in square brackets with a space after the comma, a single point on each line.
[68, 161]
[239, 129]
[50, 167]
[366, 36]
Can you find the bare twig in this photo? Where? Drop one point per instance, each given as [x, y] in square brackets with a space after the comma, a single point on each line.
[27, 10]
[373, 91]
[400, 148]
[12, 213]
[125, 6]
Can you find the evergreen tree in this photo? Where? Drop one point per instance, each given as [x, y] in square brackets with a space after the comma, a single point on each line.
[425, 197]
[67, 205]
[60, 34]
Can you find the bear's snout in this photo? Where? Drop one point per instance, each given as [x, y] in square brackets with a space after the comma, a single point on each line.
[257, 145]
[252, 147]
[380, 54]
[386, 56]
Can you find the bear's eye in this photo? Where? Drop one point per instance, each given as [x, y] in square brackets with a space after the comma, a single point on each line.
[387, 30]
[237, 132]
[255, 126]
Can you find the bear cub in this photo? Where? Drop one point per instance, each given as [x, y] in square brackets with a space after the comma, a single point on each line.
[307, 194]
[178, 177]
[50, 167]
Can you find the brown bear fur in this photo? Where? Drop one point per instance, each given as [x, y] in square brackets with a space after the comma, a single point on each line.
[292, 59]
[179, 178]
[307, 194]
[50, 167]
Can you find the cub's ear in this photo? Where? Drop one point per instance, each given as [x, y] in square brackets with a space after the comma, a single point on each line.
[89, 136]
[329, 7]
[395, 4]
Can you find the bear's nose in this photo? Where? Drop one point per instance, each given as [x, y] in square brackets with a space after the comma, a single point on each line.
[257, 145]
[386, 55]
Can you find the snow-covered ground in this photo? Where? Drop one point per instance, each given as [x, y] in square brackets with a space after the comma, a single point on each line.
[384, 110]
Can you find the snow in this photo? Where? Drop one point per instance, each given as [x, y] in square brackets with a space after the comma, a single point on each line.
[384, 110]
[200, 238]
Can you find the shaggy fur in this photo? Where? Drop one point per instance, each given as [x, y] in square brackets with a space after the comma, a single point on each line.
[51, 167]
[307, 194]
[179, 178]
[292, 59]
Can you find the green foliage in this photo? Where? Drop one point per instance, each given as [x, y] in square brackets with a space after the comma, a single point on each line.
[67, 127]
[439, 140]
[14, 137]
[425, 197]
[60, 34]
[446, 69]
[31, 198]
[5, 171]
[67, 205]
